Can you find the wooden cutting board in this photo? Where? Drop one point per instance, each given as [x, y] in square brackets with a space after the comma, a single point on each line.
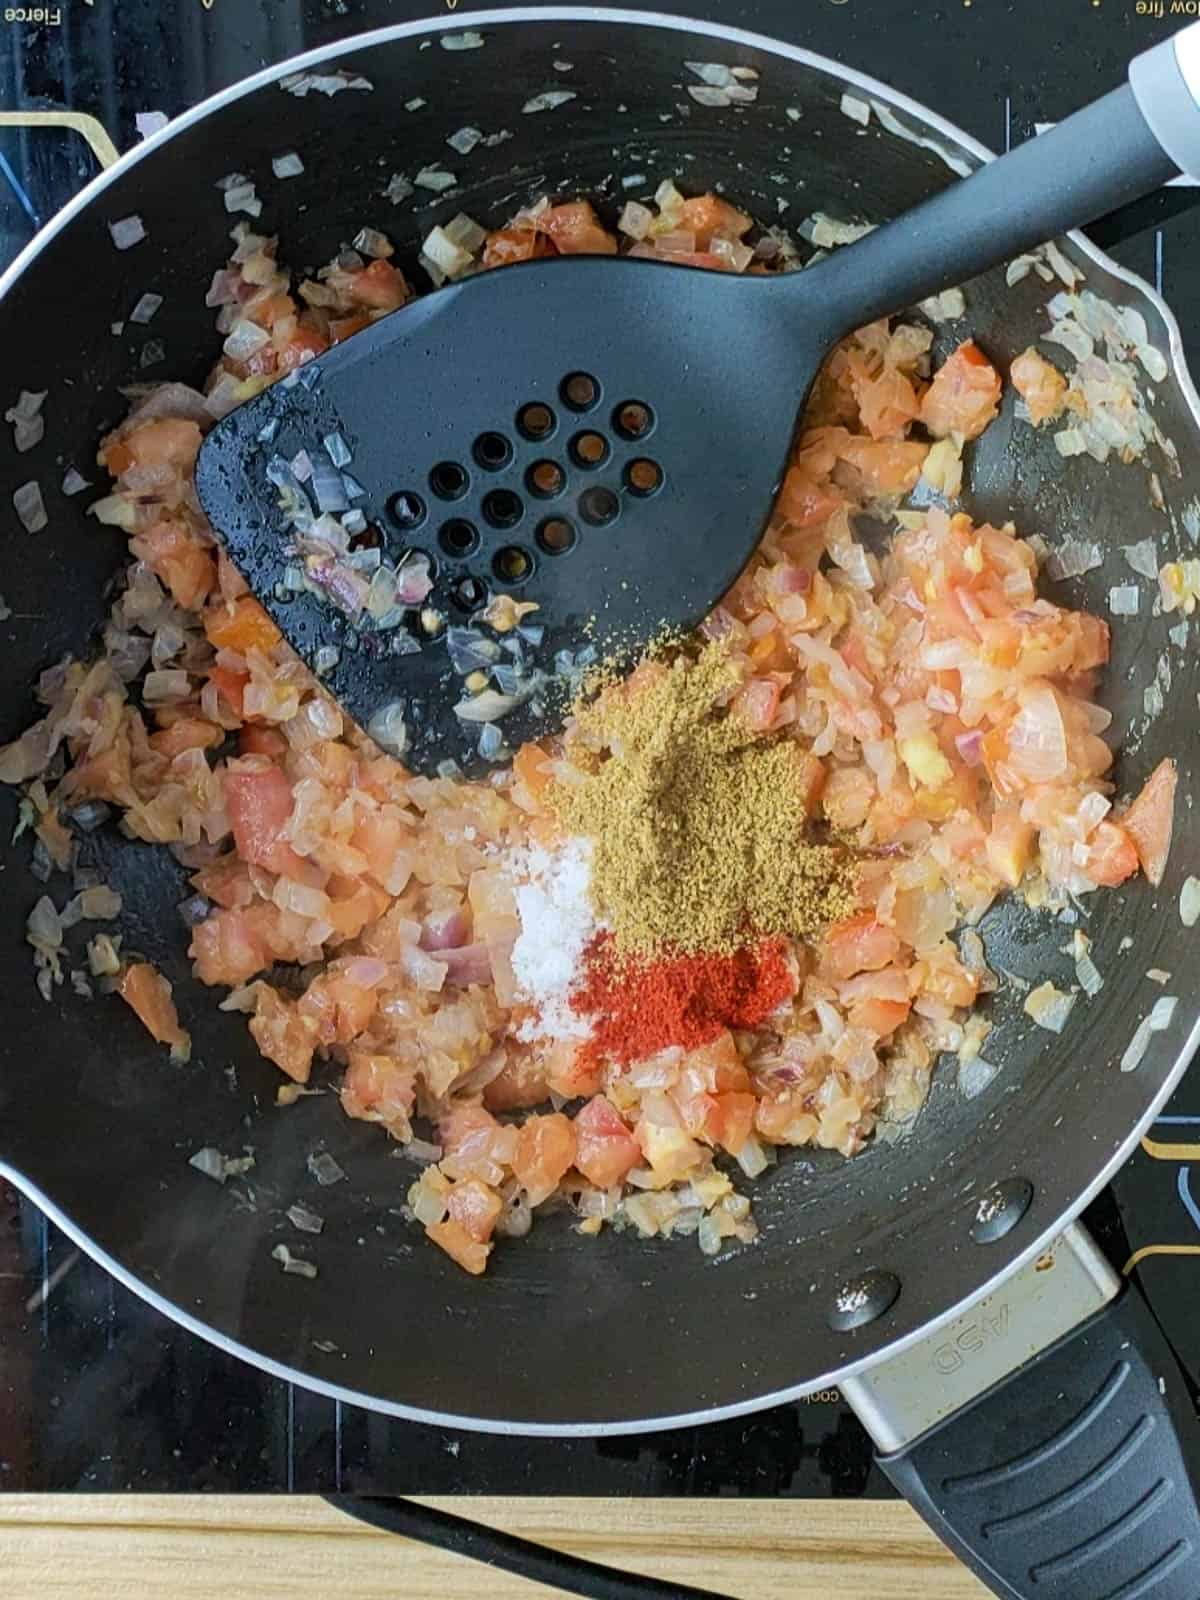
[199, 1547]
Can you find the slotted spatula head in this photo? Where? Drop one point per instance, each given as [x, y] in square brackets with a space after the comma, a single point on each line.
[600, 438]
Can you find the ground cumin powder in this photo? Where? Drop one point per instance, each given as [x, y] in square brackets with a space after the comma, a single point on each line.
[698, 824]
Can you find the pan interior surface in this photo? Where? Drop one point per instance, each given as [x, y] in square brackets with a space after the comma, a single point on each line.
[564, 1333]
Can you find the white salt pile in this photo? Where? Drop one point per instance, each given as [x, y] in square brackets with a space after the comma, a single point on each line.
[557, 924]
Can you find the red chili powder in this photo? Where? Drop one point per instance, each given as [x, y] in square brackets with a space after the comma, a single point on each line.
[643, 1006]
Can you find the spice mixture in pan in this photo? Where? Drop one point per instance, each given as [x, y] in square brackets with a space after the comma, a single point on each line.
[715, 918]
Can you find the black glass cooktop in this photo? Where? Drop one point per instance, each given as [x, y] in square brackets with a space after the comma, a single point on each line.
[99, 1392]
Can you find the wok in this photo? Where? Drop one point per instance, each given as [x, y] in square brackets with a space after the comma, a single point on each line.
[938, 1277]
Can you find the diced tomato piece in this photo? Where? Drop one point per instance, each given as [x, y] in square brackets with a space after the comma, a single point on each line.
[1041, 385]
[858, 944]
[256, 739]
[475, 1207]
[1112, 855]
[964, 395]
[576, 230]
[507, 245]
[380, 836]
[758, 701]
[282, 1034]
[259, 800]
[458, 1244]
[545, 1152]
[144, 988]
[730, 1120]
[886, 404]
[302, 346]
[225, 882]
[804, 503]
[164, 442]
[174, 554]
[379, 1088]
[347, 327]
[352, 911]
[381, 286]
[338, 1008]
[605, 1150]
[186, 733]
[231, 685]
[227, 949]
[880, 1017]
[709, 217]
[1149, 821]
[521, 1084]
[1009, 845]
[243, 626]
[571, 1072]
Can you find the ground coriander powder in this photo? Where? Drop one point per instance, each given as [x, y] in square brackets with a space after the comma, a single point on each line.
[698, 824]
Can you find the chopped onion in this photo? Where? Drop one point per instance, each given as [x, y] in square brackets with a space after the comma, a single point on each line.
[398, 188]
[73, 482]
[325, 1169]
[857, 110]
[326, 83]
[548, 100]
[127, 231]
[245, 340]
[489, 706]
[164, 688]
[1156, 1022]
[214, 1165]
[307, 1221]
[440, 251]
[1189, 902]
[30, 507]
[148, 123]
[328, 488]
[389, 729]
[436, 179]
[374, 244]
[1073, 558]
[465, 140]
[1049, 1007]
[1142, 557]
[1124, 599]
[974, 1076]
[242, 197]
[634, 221]
[970, 746]
[146, 307]
[293, 1264]
[470, 40]
[151, 353]
[288, 165]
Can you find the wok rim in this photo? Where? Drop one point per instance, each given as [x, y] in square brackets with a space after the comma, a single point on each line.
[608, 16]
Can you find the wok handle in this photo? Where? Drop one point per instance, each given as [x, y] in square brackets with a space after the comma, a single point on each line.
[1075, 1477]
[1116, 150]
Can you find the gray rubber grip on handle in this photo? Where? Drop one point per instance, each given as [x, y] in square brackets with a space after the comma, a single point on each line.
[1166, 85]
[1075, 1478]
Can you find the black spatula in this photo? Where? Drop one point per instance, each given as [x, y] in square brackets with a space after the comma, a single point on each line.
[601, 438]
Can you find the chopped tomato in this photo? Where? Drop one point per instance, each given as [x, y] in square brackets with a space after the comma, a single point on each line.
[282, 1034]
[531, 770]
[803, 502]
[475, 1207]
[338, 1007]
[380, 836]
[1150, 819]
[259, 800]
[709, 217]
[303, 345]
[570, 1072]
[521, 1084]
[758, 701]
[605, 1149]
[231, 684]
[381, 286]
[886, 404]
[880, 1017]
[1041, 385]
[256, 739]
[174, 554]
[379, 1088]
[545, 1152]
[186, 733]
[858, 944]
[1112, 856]
[458, 1244]
[730, 1120]
[354, 905]
[144, 988]
[507, 245]
[225, 882]
[164, 442]
[576, 230]
[347, 327]
[242, 626]
[964, 395]
[227, 949]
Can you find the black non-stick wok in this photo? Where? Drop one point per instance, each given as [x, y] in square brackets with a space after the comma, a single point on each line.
[938, 1277]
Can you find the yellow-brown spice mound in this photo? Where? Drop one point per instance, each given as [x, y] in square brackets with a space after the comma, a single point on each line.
[698, 824]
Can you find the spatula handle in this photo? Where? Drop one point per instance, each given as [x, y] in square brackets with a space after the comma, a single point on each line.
[1111, 152]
